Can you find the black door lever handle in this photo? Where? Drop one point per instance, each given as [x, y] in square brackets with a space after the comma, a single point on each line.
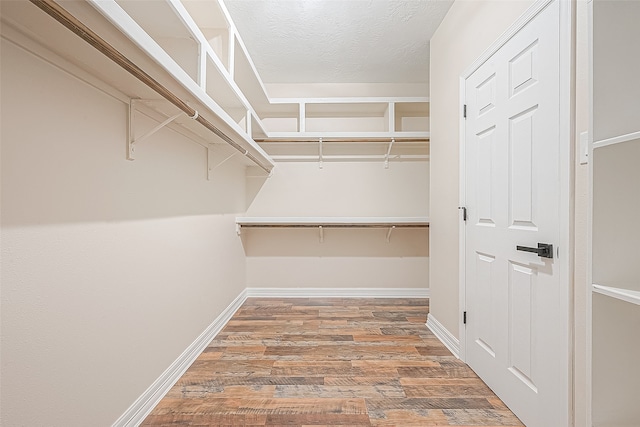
[544, 250]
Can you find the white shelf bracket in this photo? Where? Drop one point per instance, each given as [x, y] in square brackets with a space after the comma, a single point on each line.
[321, 230]
[211, 166]
[320, 153]
[386, 157]
[393, 227]
[131, 138]
[238, 229]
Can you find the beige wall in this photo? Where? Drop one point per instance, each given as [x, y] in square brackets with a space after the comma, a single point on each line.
[468, 29]
[110, 268]
[346, 258]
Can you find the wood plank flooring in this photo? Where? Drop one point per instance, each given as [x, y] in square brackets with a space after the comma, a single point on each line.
[329, 362]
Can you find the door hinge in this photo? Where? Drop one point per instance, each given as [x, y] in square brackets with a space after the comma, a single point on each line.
[464, 111]
[464, 317]
[464, 212]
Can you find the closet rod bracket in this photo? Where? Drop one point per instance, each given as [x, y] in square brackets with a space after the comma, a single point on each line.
[132, 140]
[212, 166]
[386, 157]
[393, 227]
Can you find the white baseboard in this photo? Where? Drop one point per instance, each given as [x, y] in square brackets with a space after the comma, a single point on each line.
[139, 410]
[338, 292]
[443, 334]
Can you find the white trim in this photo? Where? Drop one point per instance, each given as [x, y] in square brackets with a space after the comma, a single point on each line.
[338, 292]
[462, 236]
[588, 416]
[443, 334]
[519, 24]
[138, 411]
[566, 212]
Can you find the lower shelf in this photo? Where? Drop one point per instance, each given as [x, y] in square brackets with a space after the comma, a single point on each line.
[333, 221]
[627, 295]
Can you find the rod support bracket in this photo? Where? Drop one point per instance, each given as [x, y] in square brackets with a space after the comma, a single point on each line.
[386, 157]
[132, 140]
[393, 227]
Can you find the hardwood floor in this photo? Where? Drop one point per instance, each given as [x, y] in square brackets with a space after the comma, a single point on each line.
[329, 362]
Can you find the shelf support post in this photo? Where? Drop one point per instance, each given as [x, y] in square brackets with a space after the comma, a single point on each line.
[321, 233]
[320, 154]
[202, 66]
[248, 124]
[302, 117]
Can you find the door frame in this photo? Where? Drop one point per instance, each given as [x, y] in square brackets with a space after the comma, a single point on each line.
[565, 257]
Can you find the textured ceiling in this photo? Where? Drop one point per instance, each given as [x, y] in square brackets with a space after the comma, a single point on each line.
[339, 41]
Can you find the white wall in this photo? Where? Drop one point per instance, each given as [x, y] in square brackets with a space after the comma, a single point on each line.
[346, 258]
[110, 268]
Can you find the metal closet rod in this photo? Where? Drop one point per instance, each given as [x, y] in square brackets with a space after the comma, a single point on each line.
[58, 13]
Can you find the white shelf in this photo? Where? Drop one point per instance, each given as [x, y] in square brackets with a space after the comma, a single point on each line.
[353, 135]
[332, 221]
[391, 223]
[617, 140]
[350, 100]
[627, 295]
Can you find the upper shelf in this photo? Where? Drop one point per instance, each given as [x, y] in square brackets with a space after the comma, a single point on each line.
[364, 117]
[209, 54]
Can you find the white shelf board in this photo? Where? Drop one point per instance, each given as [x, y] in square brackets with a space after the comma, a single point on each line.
[350, 100]
[346, 157]
[361, 135]
[333, 221]
[616, 140]
[130, 28]
[627, 295]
